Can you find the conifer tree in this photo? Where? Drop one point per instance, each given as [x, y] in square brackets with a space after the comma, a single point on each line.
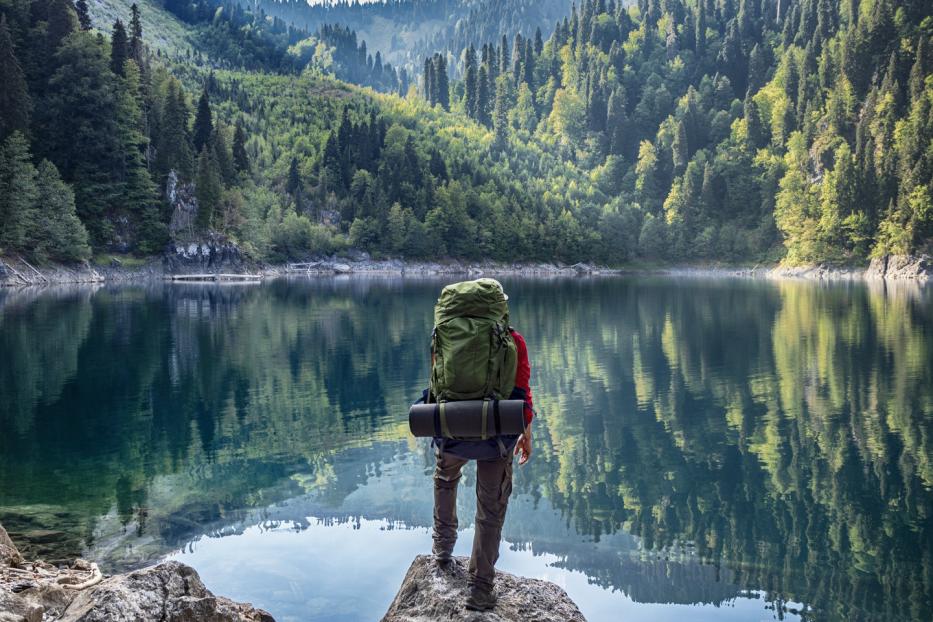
[119, 48]
[208, 188]
[501, 111]
[504, 65]
[240, 156]
[173, 146]
[136, 35]
[61, 235]
[482, 98]
[84, 16]
[62, 21]
[471, 83]
[203, 123]
[79, 131]
[441, 83]
[139, 193]
[18, 194]
[14, 96]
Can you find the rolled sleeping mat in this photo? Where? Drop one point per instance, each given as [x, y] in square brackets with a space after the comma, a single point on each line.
[467, 419]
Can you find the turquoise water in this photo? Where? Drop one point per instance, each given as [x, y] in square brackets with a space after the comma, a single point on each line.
[710, 448]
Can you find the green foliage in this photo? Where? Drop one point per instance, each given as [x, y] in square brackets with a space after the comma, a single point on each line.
[14, 98]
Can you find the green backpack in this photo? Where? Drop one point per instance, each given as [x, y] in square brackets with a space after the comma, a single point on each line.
[474, 353]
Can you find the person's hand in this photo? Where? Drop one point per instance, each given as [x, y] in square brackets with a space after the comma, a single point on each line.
[524, 446]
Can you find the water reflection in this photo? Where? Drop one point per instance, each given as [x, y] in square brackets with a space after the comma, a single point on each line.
[703, 442]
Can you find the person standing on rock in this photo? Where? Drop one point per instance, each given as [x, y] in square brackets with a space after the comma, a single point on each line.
[475, 354]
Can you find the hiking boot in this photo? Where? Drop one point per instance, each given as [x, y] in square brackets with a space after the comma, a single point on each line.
[481, 600]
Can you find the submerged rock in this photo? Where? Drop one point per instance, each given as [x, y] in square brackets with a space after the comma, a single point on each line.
[429, 594]
[168, 592]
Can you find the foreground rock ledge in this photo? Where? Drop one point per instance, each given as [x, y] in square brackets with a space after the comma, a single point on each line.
[168, 592]
[429, 594]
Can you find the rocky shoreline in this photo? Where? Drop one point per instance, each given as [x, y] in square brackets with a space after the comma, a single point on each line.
[219, 257]
[36, 591]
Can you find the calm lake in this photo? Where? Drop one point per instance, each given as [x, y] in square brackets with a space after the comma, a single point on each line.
[706, 449]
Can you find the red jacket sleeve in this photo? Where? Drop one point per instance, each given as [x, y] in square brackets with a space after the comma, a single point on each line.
[523, 375]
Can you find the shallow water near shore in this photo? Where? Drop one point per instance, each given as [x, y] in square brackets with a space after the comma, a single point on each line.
[712, 448]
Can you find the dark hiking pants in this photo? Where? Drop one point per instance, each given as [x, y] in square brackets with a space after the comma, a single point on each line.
[493, 487]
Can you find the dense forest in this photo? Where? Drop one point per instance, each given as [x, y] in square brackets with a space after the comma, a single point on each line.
[721, 128]
[666, 131]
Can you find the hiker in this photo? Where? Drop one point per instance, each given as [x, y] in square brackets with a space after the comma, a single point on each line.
[472, 318]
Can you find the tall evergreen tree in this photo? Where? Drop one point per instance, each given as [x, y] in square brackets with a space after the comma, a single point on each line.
[18, 195]
[62, 21]
[84, 16]
[173, 144]
[140, 195]
[136, 35]
[119, 48]
[61, 235]
[15, 102]
[208, 188]
[240, 156]
[441, 83]
[471, 83]
[203, 122]
[79, 131]
[500, 118]
[483, 103]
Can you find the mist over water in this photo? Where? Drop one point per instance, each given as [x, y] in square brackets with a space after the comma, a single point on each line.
[711, 448]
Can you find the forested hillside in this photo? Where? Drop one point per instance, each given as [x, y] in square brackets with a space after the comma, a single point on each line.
[720, 128]
[667, 131]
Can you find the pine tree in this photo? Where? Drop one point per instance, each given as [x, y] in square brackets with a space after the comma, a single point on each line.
[471, 83]
[429, 87]
[539, 42]
[18, 195]
[203, 123]
[222, 154]
[119, 48]
[680, 151]
[78, 131]
[136, 35]
[504, 64]
[173, 146]
[701, 27]
[500, 118]
[441, 83]
[139, 193]
[208, 188]
[482, 98]
[240, 156]
[84, 16]
[62, 21]
[919, 70]
[14, 97]
[61, 235]
[294, 185]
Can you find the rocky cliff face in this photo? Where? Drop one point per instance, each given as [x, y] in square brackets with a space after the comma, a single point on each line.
[168, 592]
[212, 254]
[429, 594]
[901, 267]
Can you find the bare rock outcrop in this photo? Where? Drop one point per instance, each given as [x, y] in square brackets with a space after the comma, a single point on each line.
[429, 593]
[901, 267]
[167, 592]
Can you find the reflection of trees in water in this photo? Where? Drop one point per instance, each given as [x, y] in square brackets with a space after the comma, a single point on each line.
[781, 429]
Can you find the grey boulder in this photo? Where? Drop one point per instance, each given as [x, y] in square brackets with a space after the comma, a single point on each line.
[429, 593]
